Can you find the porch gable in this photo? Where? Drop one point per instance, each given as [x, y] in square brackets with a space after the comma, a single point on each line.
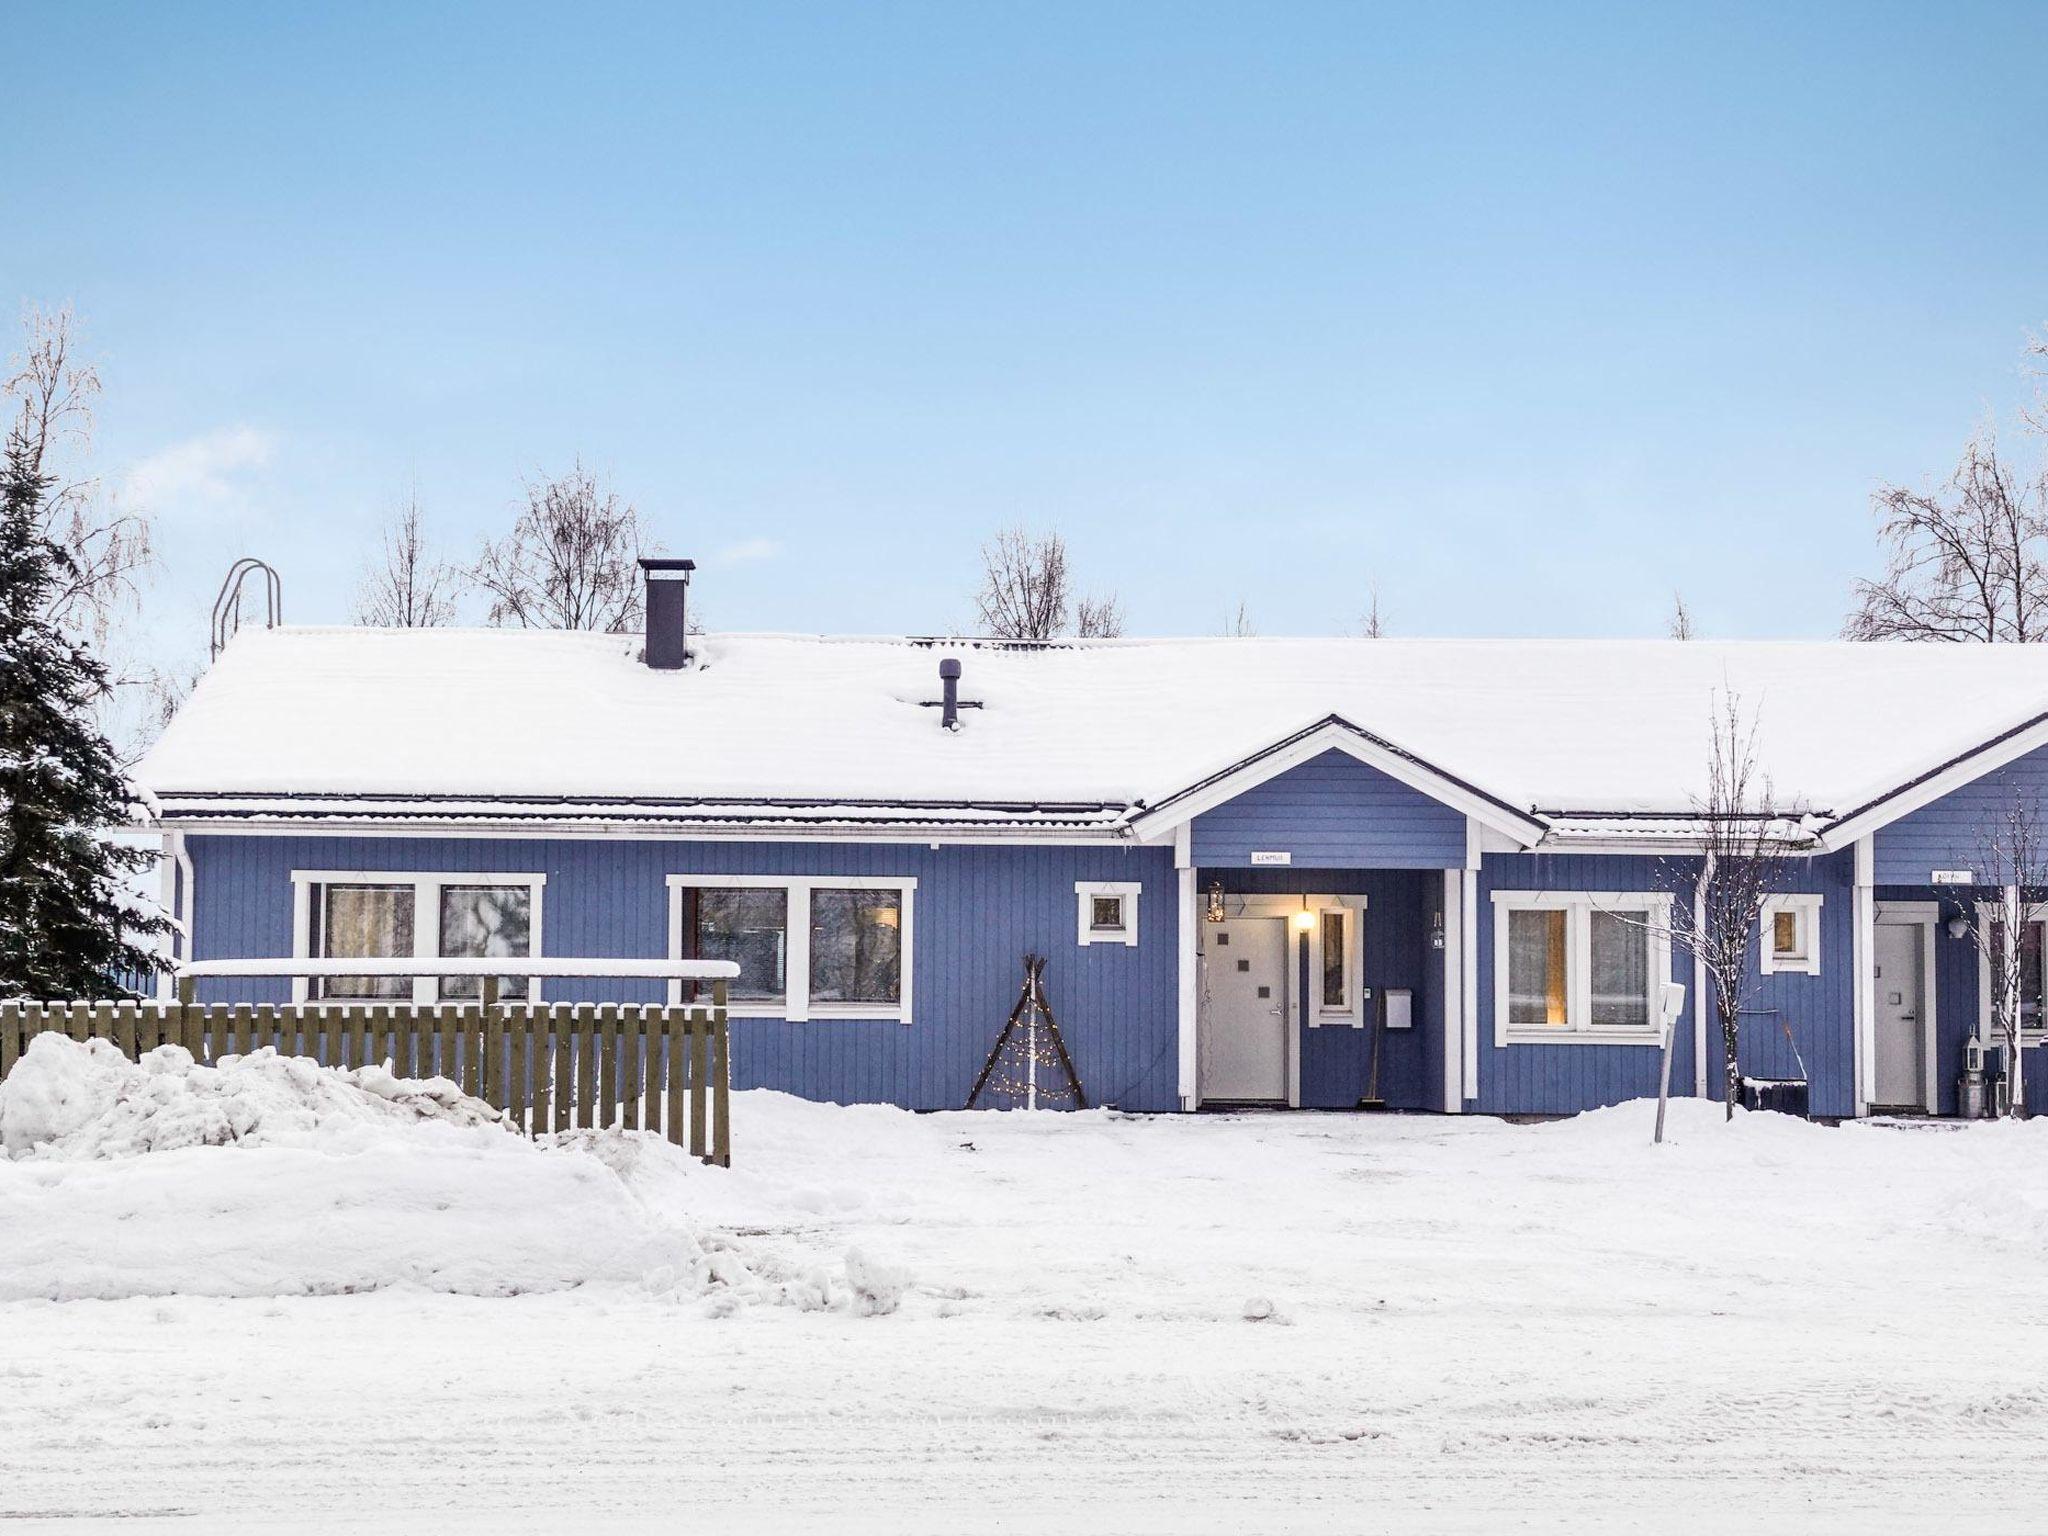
[1332, 812]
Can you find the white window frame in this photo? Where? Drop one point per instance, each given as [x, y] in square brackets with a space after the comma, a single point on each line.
[1126, 932]
[426, 919]
[1349, 1014]
[797, 1006]
[1579, 907]
[1806, 909]
[1994, 911]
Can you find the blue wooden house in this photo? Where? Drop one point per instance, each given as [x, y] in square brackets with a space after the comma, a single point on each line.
[1290, 872]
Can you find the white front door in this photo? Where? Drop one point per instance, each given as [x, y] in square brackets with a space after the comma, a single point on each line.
[1899, 1021]
[1243, 1021]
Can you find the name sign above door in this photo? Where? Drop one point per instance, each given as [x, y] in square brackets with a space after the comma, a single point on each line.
[1272, 858]
[1953, 877]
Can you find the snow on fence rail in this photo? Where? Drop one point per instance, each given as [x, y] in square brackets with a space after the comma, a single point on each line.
[549, 1066]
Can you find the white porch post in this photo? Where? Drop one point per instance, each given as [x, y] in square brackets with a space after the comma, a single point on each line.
[1184, 874]
[2015, 1076]
[1865, 979]
[1453, 962]
[1699, 988]
[1468, 954]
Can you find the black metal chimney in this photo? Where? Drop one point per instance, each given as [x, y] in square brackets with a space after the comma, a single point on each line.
[949, 682]
[668, 626]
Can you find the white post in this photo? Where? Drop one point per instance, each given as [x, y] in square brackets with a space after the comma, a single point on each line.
[1453, 962]
[1699, 986]
[1468, 955]
[1186, 936]
[2014, 1047]
[1673, 1004]
[1864, 995]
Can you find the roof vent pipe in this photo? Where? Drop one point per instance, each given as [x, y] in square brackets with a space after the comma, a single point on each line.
[668, 627]
[949, 683]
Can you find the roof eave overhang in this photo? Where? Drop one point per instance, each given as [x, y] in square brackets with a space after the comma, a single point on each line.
[1335, 733]
[615, 829]
[1859, 822]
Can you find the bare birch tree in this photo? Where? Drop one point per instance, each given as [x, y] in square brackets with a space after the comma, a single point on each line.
[49, 391]
[1679, 626]
[1025, 587]
[1099, 618]
[1374, 625]
[1966, 562]
[406, 586]
[569, 561]
[1027, 591]
[1747, 845]
[2012, 871]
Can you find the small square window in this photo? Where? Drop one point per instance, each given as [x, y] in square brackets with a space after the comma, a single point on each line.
[1791, 935]
[1107, 912]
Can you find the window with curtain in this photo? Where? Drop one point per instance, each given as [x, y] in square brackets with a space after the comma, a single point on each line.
[1619, 946]
[856, 945]
[481, 922]
[1536, 968]
[1580, 968]
[352, 922]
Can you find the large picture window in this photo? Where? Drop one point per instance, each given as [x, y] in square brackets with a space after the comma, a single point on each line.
[806, 947]
[394, 916]
[1579, 968]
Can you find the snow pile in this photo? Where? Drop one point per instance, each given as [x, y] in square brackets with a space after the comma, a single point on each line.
[271, 1175]
[74, 1100]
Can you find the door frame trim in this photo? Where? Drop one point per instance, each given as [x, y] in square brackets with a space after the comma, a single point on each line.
[1926, 916]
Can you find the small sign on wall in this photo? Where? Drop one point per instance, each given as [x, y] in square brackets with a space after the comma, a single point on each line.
[1954, 877]
[1272, 858]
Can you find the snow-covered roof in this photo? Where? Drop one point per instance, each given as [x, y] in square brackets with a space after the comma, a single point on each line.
[807, 730]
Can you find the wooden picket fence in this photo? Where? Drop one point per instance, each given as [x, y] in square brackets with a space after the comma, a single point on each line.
[549, 1066]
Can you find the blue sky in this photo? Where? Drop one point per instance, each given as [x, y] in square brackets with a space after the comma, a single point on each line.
[1527, 315]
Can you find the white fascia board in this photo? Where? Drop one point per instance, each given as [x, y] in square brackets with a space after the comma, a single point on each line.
[1662, 848]
[1888, 808]
[648, 832]
[1333, 735]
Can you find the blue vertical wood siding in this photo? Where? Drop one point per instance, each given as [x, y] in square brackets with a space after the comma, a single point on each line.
[978, 910]
[1333, 812]
[1557, 1079]
[1949, 833]
[1560, 1079]
[1336, 1061]
[1819, 1010]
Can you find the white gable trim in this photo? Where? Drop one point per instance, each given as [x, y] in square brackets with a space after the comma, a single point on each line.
[1336, 734]
[1930, 787]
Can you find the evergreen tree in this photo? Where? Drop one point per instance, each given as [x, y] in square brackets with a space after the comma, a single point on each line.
[67, 926]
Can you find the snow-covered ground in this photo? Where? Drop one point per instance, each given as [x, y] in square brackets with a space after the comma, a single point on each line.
[880, 1322]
